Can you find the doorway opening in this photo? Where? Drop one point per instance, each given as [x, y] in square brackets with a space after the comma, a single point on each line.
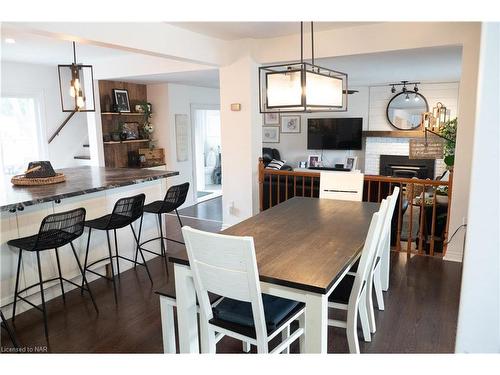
[207, 174]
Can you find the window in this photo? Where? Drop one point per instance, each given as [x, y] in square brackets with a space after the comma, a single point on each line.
[21, 136]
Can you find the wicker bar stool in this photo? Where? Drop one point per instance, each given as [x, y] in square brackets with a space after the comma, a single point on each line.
[55, 231]
[125, 212]
[175, 197]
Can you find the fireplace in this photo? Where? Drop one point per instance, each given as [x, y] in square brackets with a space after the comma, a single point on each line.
[403, 166]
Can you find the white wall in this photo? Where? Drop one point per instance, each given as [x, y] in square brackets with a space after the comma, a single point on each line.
[479, 314]
[43, 80]
[293, 147]
[168, 100]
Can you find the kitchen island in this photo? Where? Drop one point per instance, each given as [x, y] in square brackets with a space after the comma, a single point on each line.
[22, 209]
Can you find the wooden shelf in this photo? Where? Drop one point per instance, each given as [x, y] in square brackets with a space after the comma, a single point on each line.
[123, 113]
[394, 134]
[126, 141]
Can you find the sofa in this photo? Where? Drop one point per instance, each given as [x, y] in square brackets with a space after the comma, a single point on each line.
[269, 154]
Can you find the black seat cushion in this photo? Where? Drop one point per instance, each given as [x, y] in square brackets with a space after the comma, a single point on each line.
[159, 207]
[50, 240]
[104, 222]
[237, 316]
[342, 292]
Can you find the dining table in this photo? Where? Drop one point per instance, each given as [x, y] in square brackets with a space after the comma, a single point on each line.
[304, 247]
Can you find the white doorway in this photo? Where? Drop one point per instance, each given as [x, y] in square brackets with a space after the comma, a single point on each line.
[207, 157]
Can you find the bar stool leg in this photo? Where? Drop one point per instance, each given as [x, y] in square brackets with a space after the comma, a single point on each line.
[137, 240]
[112, 267]
[17, 284]
[117, 257]
[42, 294]
[162, 243]
[86, 258]
[60, 275]
[178, 217]
[83, 277]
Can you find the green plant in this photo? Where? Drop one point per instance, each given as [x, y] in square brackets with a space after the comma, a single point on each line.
[147, 128]
[449, 132]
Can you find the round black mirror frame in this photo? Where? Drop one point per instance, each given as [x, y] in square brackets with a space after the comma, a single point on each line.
[405, 93]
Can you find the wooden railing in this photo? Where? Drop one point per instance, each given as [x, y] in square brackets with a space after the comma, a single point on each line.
[420, 222]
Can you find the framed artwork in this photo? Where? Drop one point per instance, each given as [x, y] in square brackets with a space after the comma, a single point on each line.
[270, 134]
[313, 161]
[290, 124]
[271, 118]
[351, 162]
[132, 130]
[120, 99]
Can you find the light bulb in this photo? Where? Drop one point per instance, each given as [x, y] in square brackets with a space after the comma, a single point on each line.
[76, 84]
[72, 91]
[80, 103]
[407, 98]
[416, 98]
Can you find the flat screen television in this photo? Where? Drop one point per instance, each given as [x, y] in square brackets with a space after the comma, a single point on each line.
[334, 133]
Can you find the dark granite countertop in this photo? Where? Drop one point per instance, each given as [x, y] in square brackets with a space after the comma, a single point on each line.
[79, 181]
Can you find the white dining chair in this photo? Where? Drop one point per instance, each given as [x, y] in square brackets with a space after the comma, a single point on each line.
[350, 293]
[386, 244]
[227, 266]
[341, 185]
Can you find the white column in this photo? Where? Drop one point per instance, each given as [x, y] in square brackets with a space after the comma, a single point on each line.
[94, 125]
[241, 139]
[478, 320]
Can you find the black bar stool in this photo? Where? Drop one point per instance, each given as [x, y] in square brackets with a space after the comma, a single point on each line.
[55, 231]
[9, 330]
[174, 198]
[126, 211]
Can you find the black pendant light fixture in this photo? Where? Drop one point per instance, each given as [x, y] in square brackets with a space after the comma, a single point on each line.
[302, 86]
[76, 86]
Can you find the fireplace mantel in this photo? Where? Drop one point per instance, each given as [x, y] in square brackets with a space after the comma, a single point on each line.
[394, 134]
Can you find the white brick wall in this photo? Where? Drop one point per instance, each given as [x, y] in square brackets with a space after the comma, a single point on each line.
[376, 146]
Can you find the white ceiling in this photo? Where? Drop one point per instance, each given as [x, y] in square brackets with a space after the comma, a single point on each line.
[36, 49]
[202, 78]
[258, 30]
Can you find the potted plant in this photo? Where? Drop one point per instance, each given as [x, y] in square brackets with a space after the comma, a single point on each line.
[449, 132]
[147, 127]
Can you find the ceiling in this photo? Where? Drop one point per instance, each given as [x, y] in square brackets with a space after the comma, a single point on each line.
[36, 49]
[258, 30]
[202, 78]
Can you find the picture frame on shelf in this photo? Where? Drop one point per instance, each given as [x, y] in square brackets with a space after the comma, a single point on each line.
[314, 161]
[271, 119]
[132, 130]
[290, 124]
[351, 162]
[121, 101]
[270, 134]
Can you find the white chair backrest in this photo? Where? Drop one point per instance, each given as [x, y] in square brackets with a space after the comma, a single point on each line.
[386, 226]
[341, 185]
[225, 265]
[368, 252]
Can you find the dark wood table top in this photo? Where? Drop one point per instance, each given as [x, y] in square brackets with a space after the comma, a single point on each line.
[79, 181]
[304, 243]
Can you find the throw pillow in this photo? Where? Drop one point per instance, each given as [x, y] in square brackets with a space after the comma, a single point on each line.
[275, 164]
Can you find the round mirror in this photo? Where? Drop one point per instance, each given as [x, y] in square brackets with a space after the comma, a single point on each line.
[405, 109]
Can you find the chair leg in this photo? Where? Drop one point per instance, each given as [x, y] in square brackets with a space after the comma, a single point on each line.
[377, 283]
[60, 275]
[178, 217]
[163, 251]
[42, 295]
[302, 338]
[9, 330]
[246, 346]
[363, 315]
[352, 331]
[137, 240]
[83, 277]
[112, 267]
[85, 262]
[17, 284]
[117, 257]
[386, 259]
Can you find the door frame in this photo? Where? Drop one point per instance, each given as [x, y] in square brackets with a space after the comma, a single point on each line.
[193, 108]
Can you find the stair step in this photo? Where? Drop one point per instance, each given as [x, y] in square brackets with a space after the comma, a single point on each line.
[82, 157]
[86, 145]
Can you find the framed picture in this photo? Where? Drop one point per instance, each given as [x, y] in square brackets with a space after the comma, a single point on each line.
[270, 134]
[313, 161]
[302, 164]
[271, 118]
[351, 162]
[132, 130]
[290, 124]
[120, 98]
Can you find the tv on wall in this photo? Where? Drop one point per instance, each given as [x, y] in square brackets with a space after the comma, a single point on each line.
[334, 133]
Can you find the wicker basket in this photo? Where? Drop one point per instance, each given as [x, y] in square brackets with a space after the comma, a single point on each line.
[21, 180]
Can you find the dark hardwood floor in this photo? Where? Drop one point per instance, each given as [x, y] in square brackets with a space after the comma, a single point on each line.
[420, 315]
[210, 209]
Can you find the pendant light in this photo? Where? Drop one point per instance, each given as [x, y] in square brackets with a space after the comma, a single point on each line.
[76, 86]
[301, 86]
